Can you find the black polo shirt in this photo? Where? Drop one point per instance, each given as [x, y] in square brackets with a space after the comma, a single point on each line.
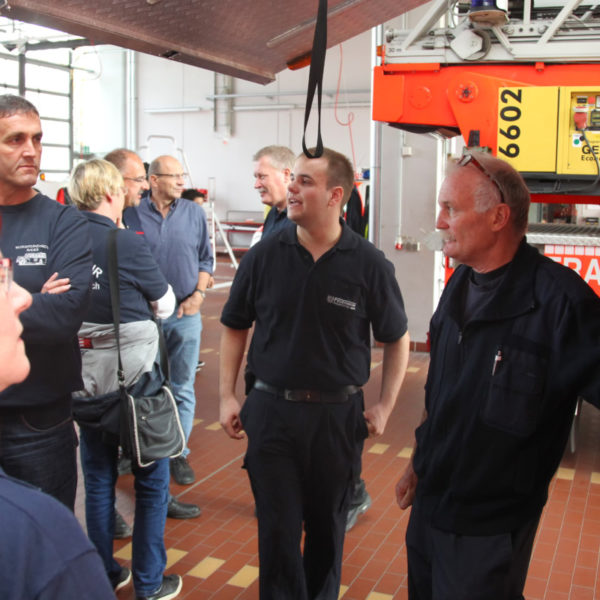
[313, 320]
[275, 222]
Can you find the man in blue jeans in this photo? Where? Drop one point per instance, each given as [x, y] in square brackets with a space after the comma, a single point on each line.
[177, 233]
[49, 247]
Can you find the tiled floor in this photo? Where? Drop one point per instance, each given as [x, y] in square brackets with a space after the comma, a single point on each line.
[217, 553]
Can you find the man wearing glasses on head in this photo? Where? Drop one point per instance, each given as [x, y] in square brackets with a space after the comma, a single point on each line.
[48, 245]
[177, 233]
[515, 340]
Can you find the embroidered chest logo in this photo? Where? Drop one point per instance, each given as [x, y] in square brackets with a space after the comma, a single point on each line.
[342, 302]
[33, 255]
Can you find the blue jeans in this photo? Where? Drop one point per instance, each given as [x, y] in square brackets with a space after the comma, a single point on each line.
[38, 445]
[182, 337]
[99, 465]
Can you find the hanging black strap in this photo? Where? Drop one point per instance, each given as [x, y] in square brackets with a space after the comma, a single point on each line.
[315, 77]
[115, 299]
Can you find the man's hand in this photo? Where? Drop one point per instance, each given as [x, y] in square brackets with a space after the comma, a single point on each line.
[376, 417]
[55, 285]
[229, 417]
[405, 488]
[191, 305]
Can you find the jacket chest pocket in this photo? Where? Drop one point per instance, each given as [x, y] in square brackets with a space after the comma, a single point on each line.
[516, 392]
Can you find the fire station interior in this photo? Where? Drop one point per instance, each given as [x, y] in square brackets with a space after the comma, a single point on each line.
[519, 78]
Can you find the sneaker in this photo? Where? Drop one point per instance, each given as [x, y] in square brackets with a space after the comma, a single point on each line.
[200, 364]
[181, 471]
[360, 503]
[170, 588]
[122, 530]
[182, 510]
[122, 579]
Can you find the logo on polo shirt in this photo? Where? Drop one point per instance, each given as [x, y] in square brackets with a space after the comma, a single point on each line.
[335, 300]
[33, 255]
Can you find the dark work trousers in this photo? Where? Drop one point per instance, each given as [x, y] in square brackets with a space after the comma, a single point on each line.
[447, 566]
[301, 460]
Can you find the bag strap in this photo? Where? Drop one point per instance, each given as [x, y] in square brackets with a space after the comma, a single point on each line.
[115, 299]
[315, 77]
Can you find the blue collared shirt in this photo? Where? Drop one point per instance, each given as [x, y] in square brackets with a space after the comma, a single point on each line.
[180, 243]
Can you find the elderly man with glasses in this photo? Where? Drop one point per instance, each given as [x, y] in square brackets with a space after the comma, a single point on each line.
[177, 233]
[515, 340]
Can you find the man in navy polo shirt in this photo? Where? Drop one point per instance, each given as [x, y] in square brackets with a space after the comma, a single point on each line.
[177, 233]
[313, 292]
[49, 246]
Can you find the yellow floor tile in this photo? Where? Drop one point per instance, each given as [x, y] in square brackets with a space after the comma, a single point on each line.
[198, 421]
[124, 552]
[378, 596]
[343, 590]
[173, 556]
[207, 567]
[207, 350]
[595, 477]
[564, 473]
[413, 369]
[244, 577]
[405, 453]
[375, 364]
[216, 426]
[378, 448]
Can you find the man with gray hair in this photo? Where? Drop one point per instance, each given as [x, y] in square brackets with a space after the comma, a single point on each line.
[515, 341]
[49, 247]
[272, 169]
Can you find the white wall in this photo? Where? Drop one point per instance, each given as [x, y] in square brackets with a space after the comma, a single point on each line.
[408, 184]
[162, 84]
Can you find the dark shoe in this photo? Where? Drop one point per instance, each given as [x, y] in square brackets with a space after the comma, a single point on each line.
[360, 503]
[170, 588]
[181, 471]
[122, 530]
[200, 364]
[124, 466]
[122, 579]
[182, 510]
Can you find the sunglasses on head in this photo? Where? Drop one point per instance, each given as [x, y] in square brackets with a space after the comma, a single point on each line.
[467, 159]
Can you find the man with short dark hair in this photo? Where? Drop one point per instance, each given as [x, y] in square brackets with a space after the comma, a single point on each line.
[313, 292]
[177, 233]
[49, 247]
[515, 340]
[132, 169]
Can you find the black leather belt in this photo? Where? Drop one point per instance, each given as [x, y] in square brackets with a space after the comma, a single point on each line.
[340, 395]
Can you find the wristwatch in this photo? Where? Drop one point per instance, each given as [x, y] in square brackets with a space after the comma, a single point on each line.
[201, 292]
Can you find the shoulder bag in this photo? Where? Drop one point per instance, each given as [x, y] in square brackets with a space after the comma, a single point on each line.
[150, 425]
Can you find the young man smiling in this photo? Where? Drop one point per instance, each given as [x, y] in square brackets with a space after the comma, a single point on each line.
[313, 292]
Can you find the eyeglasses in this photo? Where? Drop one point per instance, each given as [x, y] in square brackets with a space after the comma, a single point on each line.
[6, 274]
[172, 175]
[140, 179]
[470, 159]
